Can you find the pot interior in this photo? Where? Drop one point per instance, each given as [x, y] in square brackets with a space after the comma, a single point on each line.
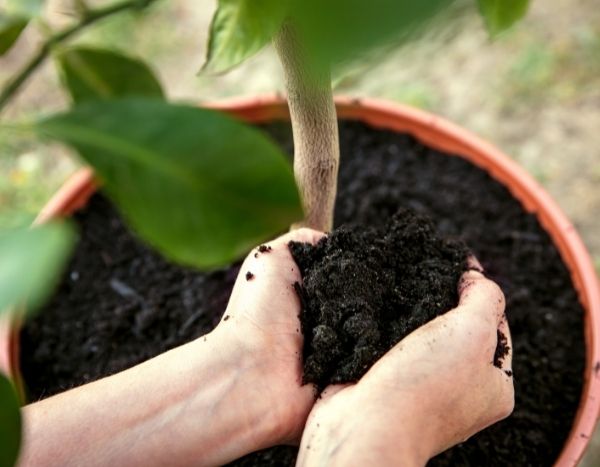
[378, 157]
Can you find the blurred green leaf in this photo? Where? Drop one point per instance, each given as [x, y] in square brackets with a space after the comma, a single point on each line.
[10, 30]
[340, 30]
[239, 29]
[91, 74]
[25, 8]
[10, 423]
[499, 15]
[198, 185]
[31, 261]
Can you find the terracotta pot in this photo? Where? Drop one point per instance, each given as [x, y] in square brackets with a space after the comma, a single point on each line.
[445, 136]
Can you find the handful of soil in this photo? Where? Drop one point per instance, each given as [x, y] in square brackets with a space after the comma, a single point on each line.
[365, 289]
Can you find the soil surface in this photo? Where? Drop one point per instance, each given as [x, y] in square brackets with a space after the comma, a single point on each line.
[120, 303]
[365, 288]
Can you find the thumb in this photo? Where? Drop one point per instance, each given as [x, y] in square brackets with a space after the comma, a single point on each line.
[480, 297]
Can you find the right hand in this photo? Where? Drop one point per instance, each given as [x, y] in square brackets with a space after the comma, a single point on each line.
[434, 389]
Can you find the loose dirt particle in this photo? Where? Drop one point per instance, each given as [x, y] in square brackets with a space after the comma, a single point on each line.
[502, 349]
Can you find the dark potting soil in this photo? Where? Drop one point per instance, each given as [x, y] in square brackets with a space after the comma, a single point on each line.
[366, 288]
[120, 303]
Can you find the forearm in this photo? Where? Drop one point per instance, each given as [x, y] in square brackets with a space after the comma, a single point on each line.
[189, 406]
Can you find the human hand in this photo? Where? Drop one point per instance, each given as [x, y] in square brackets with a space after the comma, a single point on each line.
[208, 402]
[434, 389]
[261, 327]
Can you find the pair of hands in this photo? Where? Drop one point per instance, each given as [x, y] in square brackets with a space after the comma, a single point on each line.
[238, 389]
[434, 389]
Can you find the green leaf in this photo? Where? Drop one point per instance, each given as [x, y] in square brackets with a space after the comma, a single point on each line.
[91, 74]
[336, 31]
[10, 30]
[200, 186]
[31, 261]
[10, 423]
[499, 15]
[239, 29]
[25, 8]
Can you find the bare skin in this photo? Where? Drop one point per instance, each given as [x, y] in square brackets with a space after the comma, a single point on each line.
[238, 389]
[234, 391]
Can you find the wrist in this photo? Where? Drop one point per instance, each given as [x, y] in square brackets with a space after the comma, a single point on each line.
[188, 406]
[248, 390]
[210, 402]
[354, 428]
[403, 414]
[239, 411]
[272, 371]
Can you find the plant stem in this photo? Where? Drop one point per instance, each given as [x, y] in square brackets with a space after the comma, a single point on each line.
[315, 130]
[91, 16]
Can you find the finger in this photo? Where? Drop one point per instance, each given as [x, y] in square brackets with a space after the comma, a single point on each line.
[270, 269]
[480, 297]
[273, 260]
[270, 254]
[332, 390]
[274, 255]
[303, 234]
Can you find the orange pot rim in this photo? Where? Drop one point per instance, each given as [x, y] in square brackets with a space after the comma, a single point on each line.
[440, 134]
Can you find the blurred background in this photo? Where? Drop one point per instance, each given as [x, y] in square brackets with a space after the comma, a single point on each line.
[534, 92]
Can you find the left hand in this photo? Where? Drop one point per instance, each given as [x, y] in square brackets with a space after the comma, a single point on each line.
[261, 327]
[233, 391]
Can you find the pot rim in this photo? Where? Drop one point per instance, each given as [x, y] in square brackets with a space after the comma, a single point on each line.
[440, 134]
